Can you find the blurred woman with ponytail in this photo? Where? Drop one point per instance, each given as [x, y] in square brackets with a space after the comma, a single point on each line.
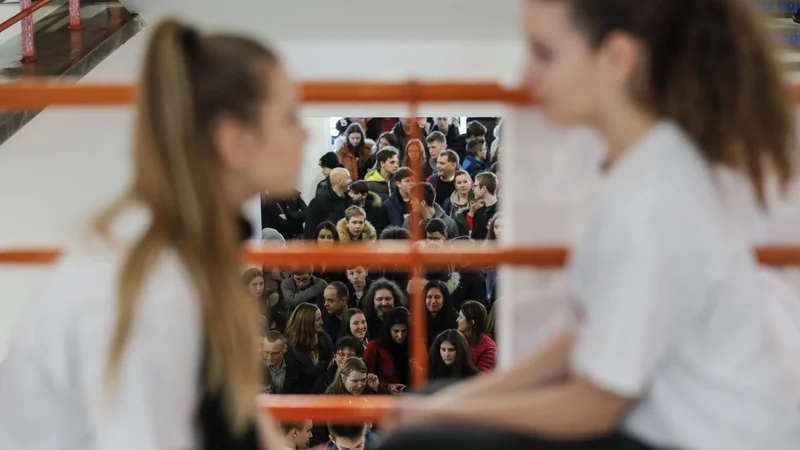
[676, 345]
[161, 354]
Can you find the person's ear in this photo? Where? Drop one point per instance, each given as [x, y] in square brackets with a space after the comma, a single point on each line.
[621, 55]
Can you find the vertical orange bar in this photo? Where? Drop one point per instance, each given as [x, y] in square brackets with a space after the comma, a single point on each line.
[419, 352]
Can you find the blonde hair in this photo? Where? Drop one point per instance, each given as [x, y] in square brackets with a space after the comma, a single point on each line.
[351, 365]
[188, 83]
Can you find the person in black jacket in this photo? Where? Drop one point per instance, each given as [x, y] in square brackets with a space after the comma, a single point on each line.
[346, 347]
[330, 204]
[370, 202]
[327, 163]
[281, 375]
[309, 346]
[475, 130]
[286, 214]
[485, 188]
[399, 204]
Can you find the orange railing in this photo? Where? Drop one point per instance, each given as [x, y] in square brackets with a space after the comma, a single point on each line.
[37, 95]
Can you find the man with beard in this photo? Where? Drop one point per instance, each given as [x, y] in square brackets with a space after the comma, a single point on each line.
[382, 296]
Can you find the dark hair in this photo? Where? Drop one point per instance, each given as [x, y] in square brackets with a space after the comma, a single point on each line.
[188, 83]
[403, 173]
[382, 283]
[476, 129]
[710, 67]
[448, 312]
[451, 156]
[428, 194]
[251, 274]
[474, 312]
[487, 180]
[274, 336]
[345, 330]
[395, 316]
[492, 236]
[436, 136]
[384, 155]
[347, 431]
[327, 225]
[474, 146]
[349, 342]
[436, 226]
[341, 289]
[495, 168]
[462, 367]
[355, 127]
[360, 187]
[393, 233]
[390, 138]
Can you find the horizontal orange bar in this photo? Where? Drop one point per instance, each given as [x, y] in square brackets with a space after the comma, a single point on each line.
[395, 255]
[326, 408]
[40, 94]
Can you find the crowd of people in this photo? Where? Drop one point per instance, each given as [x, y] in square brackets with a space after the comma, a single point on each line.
[329, 332]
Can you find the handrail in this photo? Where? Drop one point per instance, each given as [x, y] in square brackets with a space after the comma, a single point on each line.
[326, 408]
[40, 94]
[43, 93]
[22, 14]
[399, 256]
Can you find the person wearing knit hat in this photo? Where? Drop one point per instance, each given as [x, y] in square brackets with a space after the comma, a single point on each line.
[327, 162]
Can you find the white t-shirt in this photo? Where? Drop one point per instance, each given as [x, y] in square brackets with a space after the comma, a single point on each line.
[51, 384]
[674, 314]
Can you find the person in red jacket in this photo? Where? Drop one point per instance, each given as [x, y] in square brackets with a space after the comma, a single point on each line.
[388, 355]
[472, 323]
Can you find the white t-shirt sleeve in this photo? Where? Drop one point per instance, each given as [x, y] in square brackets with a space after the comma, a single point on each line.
[154, 404]
[632, 290]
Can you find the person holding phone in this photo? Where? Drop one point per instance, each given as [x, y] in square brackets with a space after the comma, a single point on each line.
[388, 355]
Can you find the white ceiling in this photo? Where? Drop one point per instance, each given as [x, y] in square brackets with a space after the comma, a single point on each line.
[416, 20]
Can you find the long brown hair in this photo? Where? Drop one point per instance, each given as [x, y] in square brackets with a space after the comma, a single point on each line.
[349, 366]
[188, 83]
[300, 330]
[474, 312]
[711, 67]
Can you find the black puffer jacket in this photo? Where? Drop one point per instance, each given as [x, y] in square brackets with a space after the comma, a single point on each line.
[327, 205]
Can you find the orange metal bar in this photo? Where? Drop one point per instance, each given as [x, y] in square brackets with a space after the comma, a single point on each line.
[388, 255]
[16, 18]
[40, 94]
[325, 408]
[418, 333]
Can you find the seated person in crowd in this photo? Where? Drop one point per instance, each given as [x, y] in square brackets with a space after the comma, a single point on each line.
[281, 376]
[301, 288]
[464, 217]
[485, 189]
[460, 197]
[352, 437]
[355, 226]
[327, 162]
[440, 313]
[444, 180]
[472, 323]
[309, 346]
[336, 297]
[330, 203]
[346, 347]
[358, 283]
[398, 205]
[296, 436]
[379, 179]
[388, 355]
[352, 378]
[475, 162]
[382, 296]
[286, 214]
[370, 202]
[428, 209]
[449, 357]
[354, 324]
[328, 237]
